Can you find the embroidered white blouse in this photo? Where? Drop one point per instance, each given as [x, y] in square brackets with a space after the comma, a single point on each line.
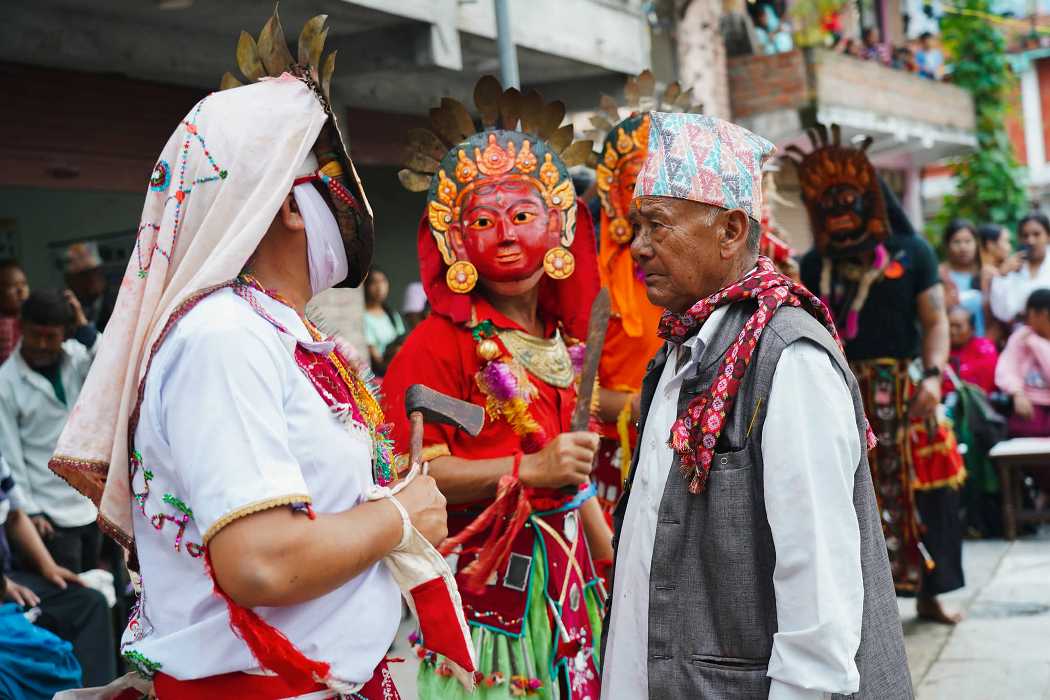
[229, 426]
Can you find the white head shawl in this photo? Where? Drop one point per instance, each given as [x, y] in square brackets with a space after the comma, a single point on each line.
[214, 192]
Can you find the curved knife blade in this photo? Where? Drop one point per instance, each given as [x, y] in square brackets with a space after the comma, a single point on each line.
[596, 329]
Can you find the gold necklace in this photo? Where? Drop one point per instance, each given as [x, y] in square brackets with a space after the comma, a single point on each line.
[546, 358]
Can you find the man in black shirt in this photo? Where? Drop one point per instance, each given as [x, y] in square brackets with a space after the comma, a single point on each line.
[880, 281]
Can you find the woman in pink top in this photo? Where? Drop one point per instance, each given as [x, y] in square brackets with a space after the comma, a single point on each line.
[973, 358]
[1024, 369]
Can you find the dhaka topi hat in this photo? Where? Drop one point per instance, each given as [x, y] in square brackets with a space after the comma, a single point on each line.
[704, 159]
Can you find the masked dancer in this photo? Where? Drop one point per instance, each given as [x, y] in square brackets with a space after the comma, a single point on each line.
[880, 280]
[507, 260]
[231, 444]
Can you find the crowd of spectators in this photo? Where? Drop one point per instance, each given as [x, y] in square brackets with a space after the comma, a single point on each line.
[773, 35]
[999, 316]
[64, 592]
[922, 56]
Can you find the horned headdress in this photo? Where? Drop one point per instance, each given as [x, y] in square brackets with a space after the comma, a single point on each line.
[624, 135]
[521, 137]
[269, 57]
[830, 175]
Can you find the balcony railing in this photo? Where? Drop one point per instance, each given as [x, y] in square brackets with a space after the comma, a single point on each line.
[779, 96]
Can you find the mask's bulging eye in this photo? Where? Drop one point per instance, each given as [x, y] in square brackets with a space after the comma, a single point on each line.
[524, 217]
[480, 223]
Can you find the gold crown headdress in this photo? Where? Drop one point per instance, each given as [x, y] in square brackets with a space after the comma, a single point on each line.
[625, 139]
[521, 136]
[269, 57]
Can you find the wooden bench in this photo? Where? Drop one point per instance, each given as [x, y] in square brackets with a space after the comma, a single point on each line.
[1011, 457]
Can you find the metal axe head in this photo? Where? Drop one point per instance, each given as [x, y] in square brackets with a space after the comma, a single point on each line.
[440, 408]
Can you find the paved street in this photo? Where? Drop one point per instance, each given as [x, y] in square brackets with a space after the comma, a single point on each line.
[1001, 651]
[1002, 648]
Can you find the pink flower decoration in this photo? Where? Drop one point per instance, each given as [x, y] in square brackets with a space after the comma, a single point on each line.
[500, 380]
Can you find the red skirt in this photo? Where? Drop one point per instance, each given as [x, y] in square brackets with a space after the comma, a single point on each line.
[233, 686]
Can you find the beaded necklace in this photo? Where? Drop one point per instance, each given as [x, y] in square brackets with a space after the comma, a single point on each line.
[364, 404]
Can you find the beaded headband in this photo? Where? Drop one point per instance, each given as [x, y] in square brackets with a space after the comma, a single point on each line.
[520, 138]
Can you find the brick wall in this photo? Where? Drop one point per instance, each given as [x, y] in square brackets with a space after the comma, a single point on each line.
[1014, 124]
[759, 84]
[789, 81]
[101, 132]
[1042, 70]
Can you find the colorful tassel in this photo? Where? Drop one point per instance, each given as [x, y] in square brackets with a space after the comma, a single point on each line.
[274, 651]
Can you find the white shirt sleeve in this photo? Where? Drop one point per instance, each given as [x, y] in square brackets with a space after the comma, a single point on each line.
[222, 414]
[11, 450]
[810, 450]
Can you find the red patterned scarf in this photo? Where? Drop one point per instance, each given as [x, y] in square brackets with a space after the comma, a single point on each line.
[695, 433]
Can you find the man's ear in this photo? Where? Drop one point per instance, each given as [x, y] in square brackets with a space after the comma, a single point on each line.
[735, 228]
[289, 214]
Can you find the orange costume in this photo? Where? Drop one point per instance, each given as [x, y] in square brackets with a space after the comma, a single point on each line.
[631, 340]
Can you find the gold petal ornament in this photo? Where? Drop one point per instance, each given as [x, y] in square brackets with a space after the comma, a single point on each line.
[521, 137]
[248, 58]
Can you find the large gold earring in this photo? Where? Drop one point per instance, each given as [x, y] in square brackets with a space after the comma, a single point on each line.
[559, 263]
[461, 277]
[620, 231]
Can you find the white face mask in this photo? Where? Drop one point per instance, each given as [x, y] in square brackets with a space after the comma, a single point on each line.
[325, 251]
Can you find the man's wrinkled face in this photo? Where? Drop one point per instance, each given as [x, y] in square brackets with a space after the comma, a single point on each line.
[676, 245]
[42, 345]
[504, 230]
[14, 289]
[846, 212]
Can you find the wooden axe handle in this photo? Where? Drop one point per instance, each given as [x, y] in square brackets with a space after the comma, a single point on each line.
[415, 449]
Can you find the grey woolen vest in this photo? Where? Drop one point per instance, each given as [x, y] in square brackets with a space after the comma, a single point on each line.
[712, 611]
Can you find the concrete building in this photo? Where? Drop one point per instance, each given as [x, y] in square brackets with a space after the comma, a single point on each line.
[914, 122]
[1026, 126]
[94, 89]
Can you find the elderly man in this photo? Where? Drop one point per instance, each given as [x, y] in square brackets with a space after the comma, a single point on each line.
[750, 562]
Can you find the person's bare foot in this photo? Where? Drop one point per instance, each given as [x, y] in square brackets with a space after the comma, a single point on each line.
[929, 608]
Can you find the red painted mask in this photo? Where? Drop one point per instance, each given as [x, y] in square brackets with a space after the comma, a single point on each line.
[504, 230]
